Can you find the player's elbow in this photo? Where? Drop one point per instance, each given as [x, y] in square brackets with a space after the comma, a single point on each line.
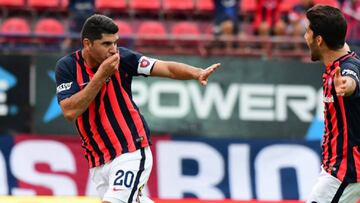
[70, 115]
[69, 112]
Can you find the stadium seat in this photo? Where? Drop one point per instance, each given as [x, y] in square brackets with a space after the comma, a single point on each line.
[124, 28]
[12, 3]
[178, 5]
[49, 26]
[187, 38]
[110, 5]
[16, 30]
[15, 25]
[205, 6]
[185, 29]
[152, 33]
[49, 32]
[327, 2]
[147, 28]
[152, 37]
[43, 4]
[64, 4]
[145, 5]
[125, 33]
[247, 6]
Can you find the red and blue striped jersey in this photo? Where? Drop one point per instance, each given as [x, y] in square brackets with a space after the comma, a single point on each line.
[341, 141]
[112, 124]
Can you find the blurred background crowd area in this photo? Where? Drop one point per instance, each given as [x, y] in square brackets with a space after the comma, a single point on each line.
[204, 27]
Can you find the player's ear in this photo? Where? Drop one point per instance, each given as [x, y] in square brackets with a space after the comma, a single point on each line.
[86, 43]
[319, 40]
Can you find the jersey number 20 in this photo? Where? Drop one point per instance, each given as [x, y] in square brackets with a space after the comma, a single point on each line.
[124, 178]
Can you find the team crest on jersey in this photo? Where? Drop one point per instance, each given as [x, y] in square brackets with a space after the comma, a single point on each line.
[144, 63]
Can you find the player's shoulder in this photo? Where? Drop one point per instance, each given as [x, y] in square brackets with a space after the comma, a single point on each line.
[129, 56]
[127, 52]
[351, 62]
[66, 62]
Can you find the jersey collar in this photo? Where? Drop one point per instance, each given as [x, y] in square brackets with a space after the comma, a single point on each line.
[337, 62]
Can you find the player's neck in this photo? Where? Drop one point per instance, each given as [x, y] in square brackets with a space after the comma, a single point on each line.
[88, 60]
[330, 56]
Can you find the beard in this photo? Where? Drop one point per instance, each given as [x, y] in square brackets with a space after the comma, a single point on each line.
[97, 58]
[315, 52]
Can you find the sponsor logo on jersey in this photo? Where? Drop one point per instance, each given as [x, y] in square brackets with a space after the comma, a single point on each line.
[63, 87]
[350, 72]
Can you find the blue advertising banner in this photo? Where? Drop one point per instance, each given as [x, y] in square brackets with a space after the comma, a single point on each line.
[14, 93]
[235, 169]
[213, 169]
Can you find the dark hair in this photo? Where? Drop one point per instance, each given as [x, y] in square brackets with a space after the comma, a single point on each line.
[96, 25]
[329, 23]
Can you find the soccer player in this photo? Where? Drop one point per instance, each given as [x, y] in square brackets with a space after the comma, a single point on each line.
[340, 169]
[94, 90]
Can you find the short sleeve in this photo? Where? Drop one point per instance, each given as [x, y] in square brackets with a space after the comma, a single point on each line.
[352, 70]
[135, 63]
[65, 76]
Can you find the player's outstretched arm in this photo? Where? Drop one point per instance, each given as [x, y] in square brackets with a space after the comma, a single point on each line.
[181, 71]
[344, 85]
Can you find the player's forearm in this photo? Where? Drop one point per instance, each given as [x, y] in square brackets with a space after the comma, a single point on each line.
[350, 89]
[77, 104]
[181, 71]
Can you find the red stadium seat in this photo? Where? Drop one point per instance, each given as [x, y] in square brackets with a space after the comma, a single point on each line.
[145, 5]
[124, 28]
[15, 25]
[64, 4]
[12, 3]
[178, 5]
[288, 5]
[42, 4]
[147, 28]
[16, 30]
[187, 38]
[185, 29]
[110, 4]
[247, 6]
[125, 33]
[152, 33]
[205, 5]
[327, 2]
[151, 36]
[49, 26]
[49, 31]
